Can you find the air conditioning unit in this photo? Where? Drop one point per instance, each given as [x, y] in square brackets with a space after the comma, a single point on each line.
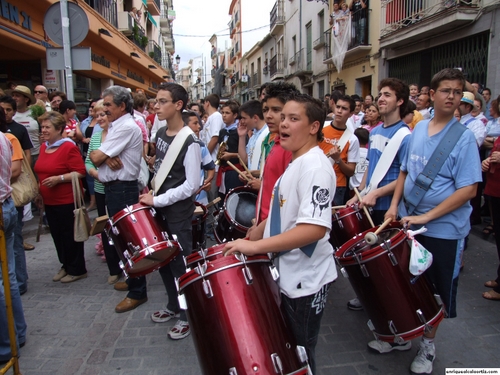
[125, 23]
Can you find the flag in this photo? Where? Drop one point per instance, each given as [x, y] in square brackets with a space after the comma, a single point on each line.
[341, 36]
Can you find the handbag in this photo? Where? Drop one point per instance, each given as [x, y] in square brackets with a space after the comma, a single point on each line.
[82, 225]
[25, 188]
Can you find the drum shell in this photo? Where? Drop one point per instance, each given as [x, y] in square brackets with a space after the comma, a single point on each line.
[390, 292]
[136, 225]
[198, 228]
[236, 216]
[241, 325]
[346, 223]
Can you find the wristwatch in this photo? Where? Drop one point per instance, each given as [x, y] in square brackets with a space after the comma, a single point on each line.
[62, 177]
[338, 161]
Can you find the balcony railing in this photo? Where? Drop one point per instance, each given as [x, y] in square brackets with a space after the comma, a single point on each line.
[327, 51]
[231, 55]
[139, 37]
[265, 70]
[319, 43]
[276, 65]
[255, 79]
[154, 51]
[226, 91]
[106, 8]
[277, 14]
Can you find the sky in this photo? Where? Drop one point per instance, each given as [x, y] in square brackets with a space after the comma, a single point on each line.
[205, 18]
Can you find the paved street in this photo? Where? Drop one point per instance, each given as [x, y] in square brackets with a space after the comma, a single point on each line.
[73, 329]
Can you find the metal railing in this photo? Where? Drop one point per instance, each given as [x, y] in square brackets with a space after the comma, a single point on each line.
[154, 51]
[106, 8]
[327, 51]
[276, 65]
[277, 15]
[255, 79]
[138, 35]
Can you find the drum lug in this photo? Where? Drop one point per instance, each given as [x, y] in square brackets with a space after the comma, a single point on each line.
[439, 301]
[364, 271]
[232, 371]
[201, 269]
[274, 272]
[110, 241]
[392, 258]
[247, 274]
[344, 272]
[421, 316]
[301, 353]
[130, 263]
[371, 326]
[165, 236]
[122, 266]
[132, 217]
[115, 230]
[207, 288]
[397, 339]
[182, 301]
[153, 211]
[278, 365]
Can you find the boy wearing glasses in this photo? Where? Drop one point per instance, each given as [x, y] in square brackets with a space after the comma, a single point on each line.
[444, 208]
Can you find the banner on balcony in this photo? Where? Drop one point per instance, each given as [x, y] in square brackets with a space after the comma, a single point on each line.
[341, 36]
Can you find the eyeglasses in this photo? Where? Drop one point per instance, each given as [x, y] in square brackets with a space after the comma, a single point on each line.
[39, 92]
[164, 101]
[447, 92]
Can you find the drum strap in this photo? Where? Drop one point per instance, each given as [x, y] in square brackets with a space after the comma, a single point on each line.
[425, 178]
[170, 157]
[275, 223]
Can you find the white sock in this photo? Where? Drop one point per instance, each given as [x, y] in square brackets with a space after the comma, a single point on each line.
[427, 341]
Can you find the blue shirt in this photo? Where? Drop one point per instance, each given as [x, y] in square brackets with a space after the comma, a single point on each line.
[462, 168]
[379, 138]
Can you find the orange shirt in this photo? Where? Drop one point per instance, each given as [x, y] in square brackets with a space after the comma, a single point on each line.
[331, 136]
[17, 151]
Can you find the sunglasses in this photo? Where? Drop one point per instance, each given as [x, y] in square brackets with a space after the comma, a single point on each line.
[39, 92]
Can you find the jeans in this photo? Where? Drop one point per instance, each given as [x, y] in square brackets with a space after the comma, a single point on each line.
[21, 269]
[303, 315]
[339, 198]
[10, 219]
[359, 33]
[118, 196]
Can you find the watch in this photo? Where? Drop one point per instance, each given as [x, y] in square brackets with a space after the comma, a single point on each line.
[338, 161]
[62, 177]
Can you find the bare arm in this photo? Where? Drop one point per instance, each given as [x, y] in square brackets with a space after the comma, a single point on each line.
[211, 145]
[98, 157]
[396, 197]
[15, 170]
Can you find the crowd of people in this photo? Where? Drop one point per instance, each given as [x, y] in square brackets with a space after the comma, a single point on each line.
[301, 155]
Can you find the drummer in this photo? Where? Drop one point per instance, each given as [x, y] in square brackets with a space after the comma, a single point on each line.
[175, 197]
[297, 228]
[444, 208]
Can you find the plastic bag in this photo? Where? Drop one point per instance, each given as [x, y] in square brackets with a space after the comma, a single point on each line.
[420, 257]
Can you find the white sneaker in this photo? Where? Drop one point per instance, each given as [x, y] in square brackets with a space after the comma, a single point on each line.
[385, 347]
[163, 316]
[354, 304]
[422, 364]
[179, 331]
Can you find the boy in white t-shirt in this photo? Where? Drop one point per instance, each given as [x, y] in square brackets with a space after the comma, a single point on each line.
[363, 136]
[299, 222]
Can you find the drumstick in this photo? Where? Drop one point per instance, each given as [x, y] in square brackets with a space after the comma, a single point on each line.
[243, 164]
[237, 170]
[371, 238]
[215, 201]
[364, 208]
[338, 207]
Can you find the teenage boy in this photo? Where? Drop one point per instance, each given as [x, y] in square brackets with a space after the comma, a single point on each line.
[298, 225]
[341, 146]
[444, 208]
[175, 196]
[227, 178]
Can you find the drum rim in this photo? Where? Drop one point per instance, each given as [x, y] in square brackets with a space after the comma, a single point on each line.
[350, 209]
[203, 217]
[195, 257]
[140, 208]
[175, 243]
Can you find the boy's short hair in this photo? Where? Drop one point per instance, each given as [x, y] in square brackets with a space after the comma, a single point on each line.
[233, 105]
[401, 89]
[187, 114]
[281, 91]
[363, 135]
[447, 74]
[252, 108]
[65, 105]
[348, 99]
[7, 99]
[177, 92]
[314, 110]
[213, 100]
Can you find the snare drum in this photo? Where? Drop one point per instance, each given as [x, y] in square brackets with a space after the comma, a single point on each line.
[236, 216]
[142, 245]
[198, 227]
[204, 255]
[346, 223]
[400, 306]
[234, 313]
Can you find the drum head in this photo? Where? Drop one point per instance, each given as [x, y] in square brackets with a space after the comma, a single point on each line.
[241, 207]
[362, 246]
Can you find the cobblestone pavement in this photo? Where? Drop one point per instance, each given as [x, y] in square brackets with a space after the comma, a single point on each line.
[73, 329]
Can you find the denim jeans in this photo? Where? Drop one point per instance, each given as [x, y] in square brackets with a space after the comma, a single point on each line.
[119, 196]
[21, 269]
[339, 198]
[360, 31]
[303, 315]
[10, 222]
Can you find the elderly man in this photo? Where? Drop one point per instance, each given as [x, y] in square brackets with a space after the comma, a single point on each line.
[42, 94]
[118, 160]
[22, 96]
[423, 103]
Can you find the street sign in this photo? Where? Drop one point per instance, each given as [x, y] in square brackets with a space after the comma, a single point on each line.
[78, 24]
[80, 56]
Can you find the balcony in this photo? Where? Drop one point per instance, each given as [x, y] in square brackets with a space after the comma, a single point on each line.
[256, 80]
[154, 7]
[355, 50]
[213, 52]
[154, 51]
[406, 21]
[106, 9]
[265, 70]
[231, 28]
[232, 55]
[300, 66]
[277, 18]
[276, 70]
[226, 91]
[319, 43]
[139, 37]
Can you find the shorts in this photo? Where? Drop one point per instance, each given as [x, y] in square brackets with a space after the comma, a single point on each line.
[445, 268]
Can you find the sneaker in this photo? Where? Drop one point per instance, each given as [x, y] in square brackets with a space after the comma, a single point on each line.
[59, 275]
[71, 278]
[179, 331]
[422, 364]
[163, 316]
[383, 347]
[354, 304]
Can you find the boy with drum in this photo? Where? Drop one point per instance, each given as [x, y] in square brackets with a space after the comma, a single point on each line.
[443, 205]
[175, 193]
[297, 229]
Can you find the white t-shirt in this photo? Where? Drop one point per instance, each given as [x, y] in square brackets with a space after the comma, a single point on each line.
[31, 125]
[361, 167]
[211, 129]
[306, 191]
[157, 124]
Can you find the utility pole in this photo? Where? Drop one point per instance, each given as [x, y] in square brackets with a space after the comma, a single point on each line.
[68, 67]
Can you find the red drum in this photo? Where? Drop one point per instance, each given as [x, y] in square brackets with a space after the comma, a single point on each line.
[400, 306]
[198, 225]
[346, 223]
[142, 244]
[204, 255]
[236, 216]
[234, 313]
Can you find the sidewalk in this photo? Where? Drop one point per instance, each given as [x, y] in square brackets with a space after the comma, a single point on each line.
[73, 329]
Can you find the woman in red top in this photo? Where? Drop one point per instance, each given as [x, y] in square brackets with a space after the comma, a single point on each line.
[491, 166]
[59, 156]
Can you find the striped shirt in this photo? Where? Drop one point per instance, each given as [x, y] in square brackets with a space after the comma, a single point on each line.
[94, 144]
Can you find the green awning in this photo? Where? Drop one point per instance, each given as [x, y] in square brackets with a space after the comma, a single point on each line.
[145, 2]
[150, 17]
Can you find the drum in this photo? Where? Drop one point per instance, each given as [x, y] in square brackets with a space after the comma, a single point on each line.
[400, 306]
[234, 313]
[236, 216]
[204, 255]
[142, 245]
[346, 223]
[198, 225]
